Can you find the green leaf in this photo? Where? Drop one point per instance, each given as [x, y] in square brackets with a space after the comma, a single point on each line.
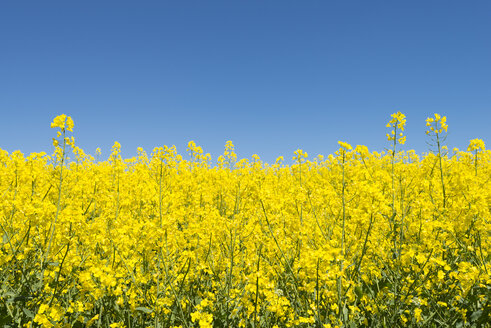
[144, 309]
[476, 315]
[10, 294]
[345, 313]
[28, 313]
[359, 291]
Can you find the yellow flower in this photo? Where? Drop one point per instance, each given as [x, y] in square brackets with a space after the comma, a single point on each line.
[439, 125]
[42, 320]
[345, 145]
[43, 308]
[117, 325]
[69, 124]
[56, 313]
[300, 155]
[476, 144]
[398, 121]
[59, 121]
[91, 321]
[63, 122]
[417, 314]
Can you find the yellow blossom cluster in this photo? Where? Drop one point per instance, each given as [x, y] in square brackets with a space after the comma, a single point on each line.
[436, 124]
[397, 124]
[299, 156]
[476, 145]
[345, 145]
[355, 239]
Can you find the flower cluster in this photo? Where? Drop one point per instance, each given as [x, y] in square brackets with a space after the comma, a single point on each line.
[476, 145]
[397, 124]
[436, 124]
[63, 122]
[299, 156]
[345, 145]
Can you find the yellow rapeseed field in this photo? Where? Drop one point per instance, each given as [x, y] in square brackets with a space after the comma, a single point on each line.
[355, 239]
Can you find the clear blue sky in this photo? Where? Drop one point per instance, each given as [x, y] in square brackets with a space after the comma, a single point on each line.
[272, 76]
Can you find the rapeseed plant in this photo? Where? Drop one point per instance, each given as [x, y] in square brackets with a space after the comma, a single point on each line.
[357, 238]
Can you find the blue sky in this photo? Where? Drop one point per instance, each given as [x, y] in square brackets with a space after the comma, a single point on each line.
[272, 76]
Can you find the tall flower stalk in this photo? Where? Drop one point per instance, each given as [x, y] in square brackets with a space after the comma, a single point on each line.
[64, 123]
[437, 126]
[396, 136]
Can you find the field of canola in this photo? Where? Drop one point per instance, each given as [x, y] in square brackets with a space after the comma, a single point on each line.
[358, 238]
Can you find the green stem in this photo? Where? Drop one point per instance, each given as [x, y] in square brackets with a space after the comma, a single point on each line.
[441, 169]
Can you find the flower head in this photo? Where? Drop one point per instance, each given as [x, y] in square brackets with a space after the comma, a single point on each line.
[345, 145]
[476, 144]
[436, 124]
[63, 122]
[398, 122]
